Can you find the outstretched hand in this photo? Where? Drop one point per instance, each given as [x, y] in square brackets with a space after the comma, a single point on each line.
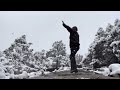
[63, 22]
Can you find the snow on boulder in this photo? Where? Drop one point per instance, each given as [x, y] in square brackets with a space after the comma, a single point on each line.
[114, 73]
[32, 74]
[38, 73]
[66, 68]
[62, 69]
[2, 75]
[24, 75]
[47, 72]
[104, 71]
[84, 78]
[114, 67]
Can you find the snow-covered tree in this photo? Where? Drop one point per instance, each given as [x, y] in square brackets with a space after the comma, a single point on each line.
[78, 58]
[19, 53]
[58, 48]
[58, 53]
[105, 46]
[1, 54]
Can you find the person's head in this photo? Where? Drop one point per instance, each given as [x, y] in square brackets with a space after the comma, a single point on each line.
[75, 28]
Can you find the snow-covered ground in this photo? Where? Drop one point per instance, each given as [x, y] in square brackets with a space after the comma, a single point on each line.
[62, 69]
[25, 75]
[113, 69]
[104, 71]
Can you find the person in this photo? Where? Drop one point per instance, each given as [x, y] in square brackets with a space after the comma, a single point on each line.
[74, 45]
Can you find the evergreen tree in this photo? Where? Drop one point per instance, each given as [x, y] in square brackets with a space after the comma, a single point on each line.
[105, 47]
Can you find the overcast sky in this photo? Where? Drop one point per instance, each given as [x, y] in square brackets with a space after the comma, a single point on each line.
[45, 27]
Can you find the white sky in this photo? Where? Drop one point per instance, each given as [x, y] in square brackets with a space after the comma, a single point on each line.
[45, 27]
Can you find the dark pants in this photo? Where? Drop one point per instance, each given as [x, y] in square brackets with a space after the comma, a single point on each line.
[72, 57]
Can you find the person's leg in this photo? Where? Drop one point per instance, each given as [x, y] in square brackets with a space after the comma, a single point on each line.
[72, 59]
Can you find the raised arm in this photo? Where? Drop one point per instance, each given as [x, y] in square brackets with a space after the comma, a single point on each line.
[67, 27]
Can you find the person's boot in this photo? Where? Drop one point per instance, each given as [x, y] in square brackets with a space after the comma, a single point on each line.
[74, 71]
[73, 64]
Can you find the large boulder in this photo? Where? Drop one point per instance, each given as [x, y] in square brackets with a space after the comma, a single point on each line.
[114, 69]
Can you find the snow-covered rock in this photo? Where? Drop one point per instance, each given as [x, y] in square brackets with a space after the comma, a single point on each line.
[24, 75]
[84, 78]
[7, 77]
[112, 70]
[32, 74]
[62, 69]
[66, 68]
[47, 72]
[116, 72]
[104, 71]
[38, 73]
[114, 67]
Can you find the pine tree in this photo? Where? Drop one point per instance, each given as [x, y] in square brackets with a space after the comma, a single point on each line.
[101, 48]
[58, 52]
[20, 53]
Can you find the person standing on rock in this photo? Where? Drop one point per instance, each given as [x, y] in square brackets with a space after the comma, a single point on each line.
[74, 45]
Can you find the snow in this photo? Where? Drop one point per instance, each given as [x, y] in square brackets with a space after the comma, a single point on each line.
[2, 74]
[47, 72]
[32, 74]
[24, 75]
[114, 67]
[104, 71]
[62, 69]
[19, 62]
[116, 72]
[93, 61]
[66, 68]
[7, 77]
[36, 74]
[114, 43]
[91, 70]
[84, 78]
[118, 51]
[85, 68]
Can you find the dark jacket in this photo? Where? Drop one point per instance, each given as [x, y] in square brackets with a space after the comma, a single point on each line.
[74, 36]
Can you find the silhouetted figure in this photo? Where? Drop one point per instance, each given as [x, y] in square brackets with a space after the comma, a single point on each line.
[74, 45]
